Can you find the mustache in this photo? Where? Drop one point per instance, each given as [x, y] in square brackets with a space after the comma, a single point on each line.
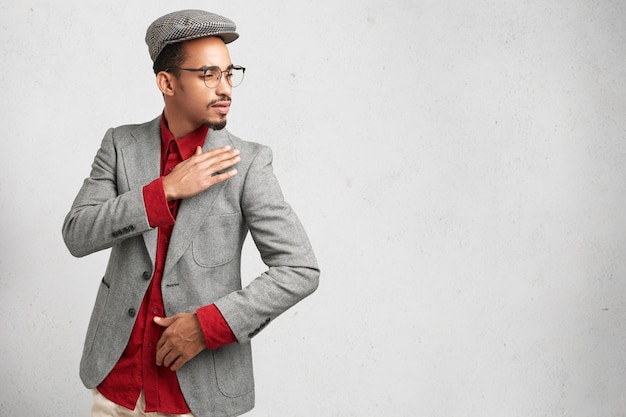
[219, 99]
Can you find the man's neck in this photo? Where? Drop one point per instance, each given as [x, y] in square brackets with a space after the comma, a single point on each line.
[178, 127]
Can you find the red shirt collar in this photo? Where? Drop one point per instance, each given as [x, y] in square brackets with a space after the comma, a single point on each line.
[187, 144]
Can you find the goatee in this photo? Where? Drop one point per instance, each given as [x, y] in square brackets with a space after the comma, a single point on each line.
[217, 126]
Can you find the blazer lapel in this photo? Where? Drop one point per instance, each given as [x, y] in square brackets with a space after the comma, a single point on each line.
[193, 211]
[142, 160]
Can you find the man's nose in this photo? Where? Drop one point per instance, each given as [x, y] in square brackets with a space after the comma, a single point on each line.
[223, 88]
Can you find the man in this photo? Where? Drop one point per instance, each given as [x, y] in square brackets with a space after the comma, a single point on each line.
[174, 199]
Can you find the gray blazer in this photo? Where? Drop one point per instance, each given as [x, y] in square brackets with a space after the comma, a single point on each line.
[203, 260]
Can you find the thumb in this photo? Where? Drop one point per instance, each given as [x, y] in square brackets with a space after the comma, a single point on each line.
[164, 321]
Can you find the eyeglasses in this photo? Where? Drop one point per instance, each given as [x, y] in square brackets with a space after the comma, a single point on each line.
[213, 75]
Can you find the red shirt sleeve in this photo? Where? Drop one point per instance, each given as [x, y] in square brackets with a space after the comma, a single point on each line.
[216, 331]
[157, 208]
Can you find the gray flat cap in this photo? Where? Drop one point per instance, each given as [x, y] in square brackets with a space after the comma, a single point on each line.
[185, 25]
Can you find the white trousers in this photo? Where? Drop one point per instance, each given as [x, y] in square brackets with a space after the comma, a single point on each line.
[103, 407]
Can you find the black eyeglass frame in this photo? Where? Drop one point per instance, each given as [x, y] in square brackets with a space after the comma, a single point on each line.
[206, 69]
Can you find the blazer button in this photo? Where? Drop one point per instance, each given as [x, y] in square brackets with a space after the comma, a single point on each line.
[132, 312]
[146, 275]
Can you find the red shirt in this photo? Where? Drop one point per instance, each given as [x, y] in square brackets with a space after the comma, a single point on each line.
[137, 369]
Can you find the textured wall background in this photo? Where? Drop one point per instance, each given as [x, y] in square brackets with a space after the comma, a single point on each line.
[459, 166]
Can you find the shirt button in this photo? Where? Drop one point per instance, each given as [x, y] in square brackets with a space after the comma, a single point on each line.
[132, 312]
[155, 311]
[146, 275]
[150, 344]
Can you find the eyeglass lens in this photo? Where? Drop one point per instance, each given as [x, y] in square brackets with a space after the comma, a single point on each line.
[234, 76]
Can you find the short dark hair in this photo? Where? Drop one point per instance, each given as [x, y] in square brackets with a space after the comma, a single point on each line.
[173, 55]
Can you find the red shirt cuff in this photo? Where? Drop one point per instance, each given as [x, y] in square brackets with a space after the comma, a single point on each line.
[216, 331]
[157, 209]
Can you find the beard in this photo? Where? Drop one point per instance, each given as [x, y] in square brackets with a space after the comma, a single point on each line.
[216, 125]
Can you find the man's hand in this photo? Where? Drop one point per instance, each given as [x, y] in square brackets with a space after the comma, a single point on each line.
[181, 341]
[198, 173]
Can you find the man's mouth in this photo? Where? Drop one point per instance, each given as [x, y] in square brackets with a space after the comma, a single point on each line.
[221, 107]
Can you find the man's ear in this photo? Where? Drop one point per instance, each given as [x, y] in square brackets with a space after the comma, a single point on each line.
[165, 81]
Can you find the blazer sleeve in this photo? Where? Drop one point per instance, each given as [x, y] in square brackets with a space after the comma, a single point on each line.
[284, 247]
[101, 215]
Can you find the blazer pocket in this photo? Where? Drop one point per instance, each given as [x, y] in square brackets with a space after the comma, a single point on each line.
[96, 316]
[233, 369]
[217, 240]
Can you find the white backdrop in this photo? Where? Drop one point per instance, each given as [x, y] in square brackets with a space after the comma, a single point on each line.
[458, 165]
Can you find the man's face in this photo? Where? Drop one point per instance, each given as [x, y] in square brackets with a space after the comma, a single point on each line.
[192, 100]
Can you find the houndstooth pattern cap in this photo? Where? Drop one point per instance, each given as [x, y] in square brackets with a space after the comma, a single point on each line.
[185, 25]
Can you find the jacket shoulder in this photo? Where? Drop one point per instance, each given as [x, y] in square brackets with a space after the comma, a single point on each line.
[132, 132]
[249, 147]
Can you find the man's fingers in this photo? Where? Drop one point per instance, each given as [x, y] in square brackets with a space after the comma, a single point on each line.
[160, 354]
[178, 363]
[170, 358]
[164, 321]
[218, 170]
[219, 166]
[166, 354]
[225, 152]
[217, 178]
[181, 341]
[201, 171]
[212, 163]
[219, 161]
[210, 157]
